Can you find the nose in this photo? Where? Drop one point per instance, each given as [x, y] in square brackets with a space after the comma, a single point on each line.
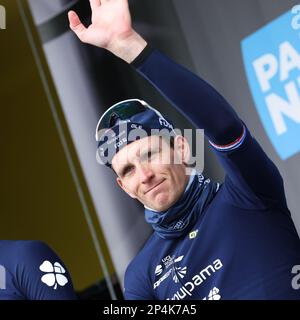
[145, 173]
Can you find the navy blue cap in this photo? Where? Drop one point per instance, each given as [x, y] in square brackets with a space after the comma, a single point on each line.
[128, 121]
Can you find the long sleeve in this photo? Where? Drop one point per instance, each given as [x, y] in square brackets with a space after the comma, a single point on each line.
[41, 274]
[192, 96]
[252, 179]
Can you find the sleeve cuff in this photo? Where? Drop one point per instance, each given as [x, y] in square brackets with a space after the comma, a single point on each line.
[233, 145]
[139, 60]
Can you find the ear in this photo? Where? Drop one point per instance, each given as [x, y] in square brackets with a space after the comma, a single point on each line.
[122, 186]
[182, 150]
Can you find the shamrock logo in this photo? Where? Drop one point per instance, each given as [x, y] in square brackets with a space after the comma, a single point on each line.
[54, 274]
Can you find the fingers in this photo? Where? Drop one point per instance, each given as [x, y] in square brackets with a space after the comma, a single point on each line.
[95, 4]
[76, 25]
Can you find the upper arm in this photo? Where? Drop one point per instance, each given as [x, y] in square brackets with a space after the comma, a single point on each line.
[252, 179]
[41, 273]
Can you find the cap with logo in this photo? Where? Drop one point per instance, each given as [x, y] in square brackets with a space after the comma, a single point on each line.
[125, 122]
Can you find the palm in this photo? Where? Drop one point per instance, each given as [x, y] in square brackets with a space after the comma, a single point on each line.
[110, 21]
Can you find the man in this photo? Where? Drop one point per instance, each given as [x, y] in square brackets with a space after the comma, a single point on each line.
[235, 241]
[30, 270]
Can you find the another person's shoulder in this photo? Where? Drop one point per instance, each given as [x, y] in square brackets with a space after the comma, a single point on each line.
[33, 247]
[22, 244]
[24, 250]
[20, 249]
[37, 255]
[30, 258]
[34, 271]
[42, 274]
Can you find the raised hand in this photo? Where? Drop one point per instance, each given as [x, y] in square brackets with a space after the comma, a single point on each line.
[110, 29]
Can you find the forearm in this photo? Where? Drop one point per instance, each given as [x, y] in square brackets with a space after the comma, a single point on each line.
[191, 95]
[111, 29]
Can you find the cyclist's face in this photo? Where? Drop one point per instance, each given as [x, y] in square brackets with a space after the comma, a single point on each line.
[152, 172]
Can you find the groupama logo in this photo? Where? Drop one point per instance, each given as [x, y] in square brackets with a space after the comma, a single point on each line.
[54, 274]
[272, 61]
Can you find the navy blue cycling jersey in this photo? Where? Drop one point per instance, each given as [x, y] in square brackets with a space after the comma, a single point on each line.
[30, 270]
[244, 245]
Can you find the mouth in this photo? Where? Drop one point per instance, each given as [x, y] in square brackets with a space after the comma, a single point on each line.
[159, 183]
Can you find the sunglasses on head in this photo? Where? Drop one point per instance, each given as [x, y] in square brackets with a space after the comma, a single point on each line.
[120, 111]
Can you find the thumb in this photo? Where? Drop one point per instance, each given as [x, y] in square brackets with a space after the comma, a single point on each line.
[76, 25]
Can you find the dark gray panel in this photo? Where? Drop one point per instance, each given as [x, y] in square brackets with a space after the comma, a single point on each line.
[213, 30]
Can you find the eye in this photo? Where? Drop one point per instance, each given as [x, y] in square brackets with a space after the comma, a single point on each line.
[147, 156]
[151, 154]
[127, 171]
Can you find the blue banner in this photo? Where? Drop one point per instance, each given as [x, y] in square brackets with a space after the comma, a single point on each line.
[272, 61]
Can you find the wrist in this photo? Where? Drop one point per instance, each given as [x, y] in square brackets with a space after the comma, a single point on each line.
[129, 47]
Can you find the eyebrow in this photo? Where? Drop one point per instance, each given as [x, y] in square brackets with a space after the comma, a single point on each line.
[123, 169]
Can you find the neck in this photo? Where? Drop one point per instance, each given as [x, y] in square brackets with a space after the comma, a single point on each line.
[182, 216]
